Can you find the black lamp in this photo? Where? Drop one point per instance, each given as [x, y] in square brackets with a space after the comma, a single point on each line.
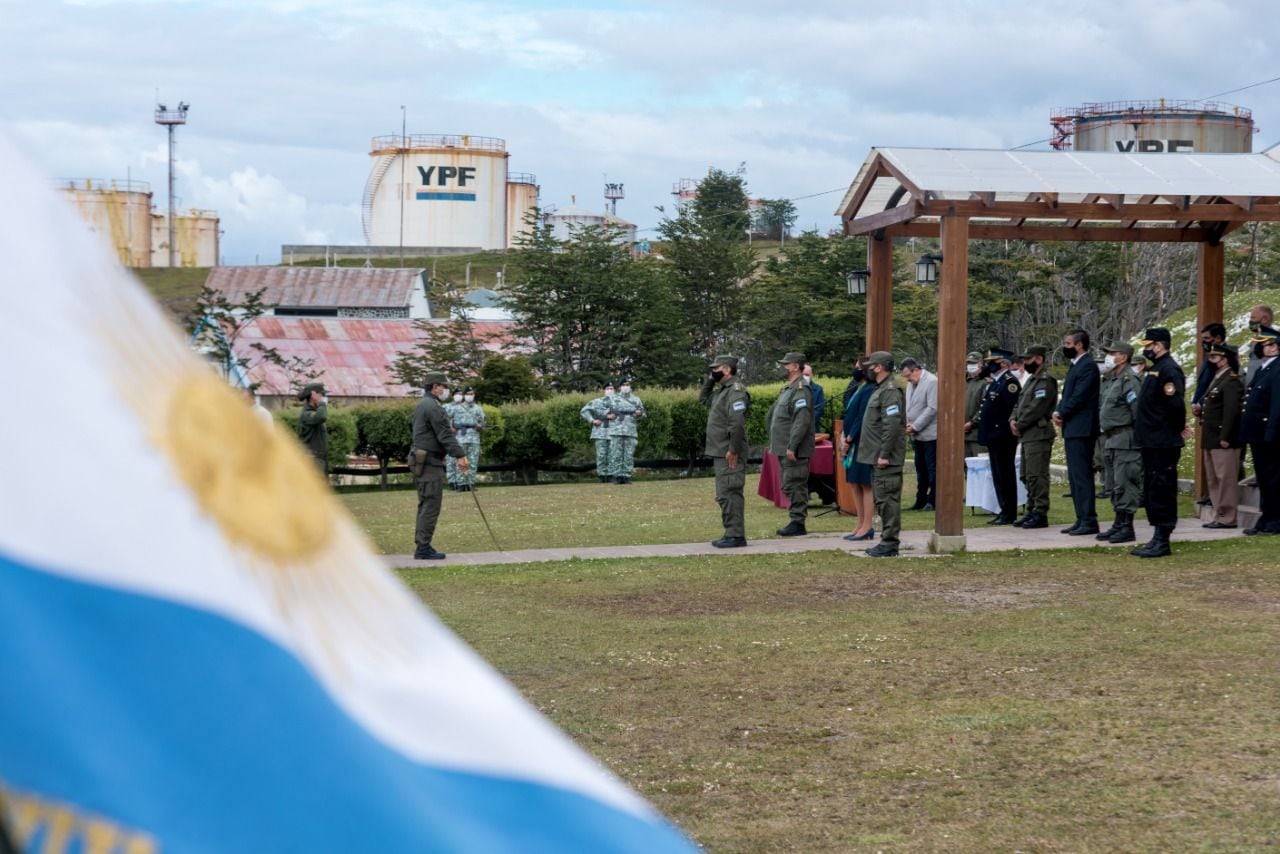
[927, 269]
[857, 280]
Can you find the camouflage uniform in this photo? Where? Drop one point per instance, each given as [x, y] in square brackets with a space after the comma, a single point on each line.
[626, 409]
[467, 420]
[451, 465]
[593, 411]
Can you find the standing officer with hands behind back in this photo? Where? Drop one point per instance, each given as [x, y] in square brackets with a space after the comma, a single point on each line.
[883, 446]
[791, 441]
[998, 400]
[1030, 423]
[1162, 414]
[729, 403]
[433, 439]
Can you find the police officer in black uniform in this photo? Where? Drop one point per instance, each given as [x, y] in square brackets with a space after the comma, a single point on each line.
[994, 431]
[1157, 430]
[1260, 427]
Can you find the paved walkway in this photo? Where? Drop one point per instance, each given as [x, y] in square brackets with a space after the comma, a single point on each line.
[914, 543]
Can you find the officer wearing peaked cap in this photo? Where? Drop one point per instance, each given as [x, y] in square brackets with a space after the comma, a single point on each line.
[433, 441]
[1162, 415]
[728, 403]
[975, 383]
[1032, 425]
[1121, 457]
[1260, 427]
[995, 431]
[883, 446]
[790, 422]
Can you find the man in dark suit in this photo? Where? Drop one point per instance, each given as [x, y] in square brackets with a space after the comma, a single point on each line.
[995, 432]
[1077, 416]
[1260, 427]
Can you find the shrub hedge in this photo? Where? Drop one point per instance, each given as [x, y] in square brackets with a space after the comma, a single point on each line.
[540, 433]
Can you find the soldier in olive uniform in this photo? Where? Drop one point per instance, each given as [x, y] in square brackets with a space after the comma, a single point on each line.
[433, 441]
[467, 418]
[593, 412]
[974, 386]
[622, 411]
[883, 446]
[791, 441]
[1162, 415]
[1031, 424]
[729, 402]
[998, 400]
[1121, 457]
[312, 429]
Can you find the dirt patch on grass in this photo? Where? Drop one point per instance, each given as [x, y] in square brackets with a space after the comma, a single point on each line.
[1244, 600]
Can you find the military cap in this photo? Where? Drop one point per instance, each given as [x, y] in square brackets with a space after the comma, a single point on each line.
[792, 358]
[1264, 334]
[725, 361]
[974, 356]
[1140, 360]
[1037, 350]
[995, 354]
[881, 357]
[310, 387]
[1221, 349]
[1154, 334]
[1120, 347]
[434, 378]
[607, 384]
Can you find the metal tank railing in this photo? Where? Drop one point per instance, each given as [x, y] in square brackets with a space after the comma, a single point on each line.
[445, 140]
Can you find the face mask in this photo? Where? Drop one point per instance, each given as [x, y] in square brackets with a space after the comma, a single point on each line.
[626, 389]
[1032, 367]
[1109, 362]
[608, 392]
[973, 370]
[1069, 352]
[808, 380]
[1149, 354]
[444, 393]
[1136, 370]
[457, 398]
[471, 398]
[1254, 326]
[859, 375]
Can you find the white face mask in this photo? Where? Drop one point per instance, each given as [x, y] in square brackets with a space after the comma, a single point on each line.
[457, 398]
[608, 392]
[626, 389]
[808, 380]
[444, 393]
[471, 398]
[973, 369]
[1109, 362]
[1136, 372]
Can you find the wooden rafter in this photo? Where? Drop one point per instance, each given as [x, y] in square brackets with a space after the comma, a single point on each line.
[1143, 200]
[1087, 233]
[1089, 199]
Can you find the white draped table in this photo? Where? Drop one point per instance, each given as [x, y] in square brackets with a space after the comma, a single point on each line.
[979, 491]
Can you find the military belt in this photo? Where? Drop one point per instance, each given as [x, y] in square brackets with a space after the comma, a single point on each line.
[1116, 431]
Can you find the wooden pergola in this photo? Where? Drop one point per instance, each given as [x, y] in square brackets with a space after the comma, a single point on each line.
[960, 195]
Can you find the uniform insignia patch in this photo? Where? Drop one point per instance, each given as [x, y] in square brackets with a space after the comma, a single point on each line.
[1040, 393]
[1170, 389]
[1131, 396]
[892, 409]
[739, 406]
[1013, 387]
[801, 403]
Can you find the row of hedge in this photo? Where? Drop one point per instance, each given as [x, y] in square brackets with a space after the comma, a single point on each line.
[549, 432]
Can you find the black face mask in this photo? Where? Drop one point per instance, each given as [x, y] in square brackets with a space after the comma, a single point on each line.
[717, 375]
[1257, 351]
[1031, 367]
[1254, 327]
[1069, 352]
[1149, 354]
[859, 375]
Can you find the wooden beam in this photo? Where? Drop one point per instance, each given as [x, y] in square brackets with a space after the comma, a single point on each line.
[1040, 233]
[1092, 197]
[880, 294]
[1245, 203]
[875, 170]
[1101, 212]
[1210, 286]
[902, 179]
[1183, 222]
[987, 199]
[877, 221]
[1144, 200]
[953, 326]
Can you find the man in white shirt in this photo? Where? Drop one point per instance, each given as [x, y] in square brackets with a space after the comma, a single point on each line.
[922, 427]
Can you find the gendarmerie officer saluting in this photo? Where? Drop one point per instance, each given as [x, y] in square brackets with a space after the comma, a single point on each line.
[1260, 427]
[883, 446]
[994, 432]
[729, 403]
[1032, 425]
[1162, 415]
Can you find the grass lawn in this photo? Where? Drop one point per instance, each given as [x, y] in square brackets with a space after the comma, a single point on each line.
[592, 514]
[1052, 701]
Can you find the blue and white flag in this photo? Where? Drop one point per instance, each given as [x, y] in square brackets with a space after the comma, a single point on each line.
[198, 649]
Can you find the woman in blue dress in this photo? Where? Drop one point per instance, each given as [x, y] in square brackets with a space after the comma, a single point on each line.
[856, 474]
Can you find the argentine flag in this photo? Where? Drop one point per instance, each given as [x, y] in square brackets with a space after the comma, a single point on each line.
[198, 650]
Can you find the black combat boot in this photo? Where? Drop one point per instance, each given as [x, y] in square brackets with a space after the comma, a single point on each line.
[1115, 526]
[1159, 545]
[793, 529]
[1122, 531]
[1036, 520]
[1026, 517]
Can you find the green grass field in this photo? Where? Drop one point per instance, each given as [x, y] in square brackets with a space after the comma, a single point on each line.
[583, 514]
[1055, 701]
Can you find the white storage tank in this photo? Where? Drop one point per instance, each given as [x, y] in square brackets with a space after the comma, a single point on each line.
[195, 231]
[120, 211]
[564, 221]
[522, 198]
[1155, 127]
[437, 190]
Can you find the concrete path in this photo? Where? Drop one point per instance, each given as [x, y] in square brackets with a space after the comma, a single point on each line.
[914, 544]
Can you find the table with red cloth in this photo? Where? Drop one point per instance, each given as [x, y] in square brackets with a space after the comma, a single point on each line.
[822, 465]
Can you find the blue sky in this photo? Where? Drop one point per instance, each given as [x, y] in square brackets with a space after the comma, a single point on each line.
[286, 94]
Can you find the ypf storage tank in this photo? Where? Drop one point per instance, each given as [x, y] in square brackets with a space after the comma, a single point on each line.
[1155, 127]
[120, 211]
[195, 231]
[522, 199]
[437, 190]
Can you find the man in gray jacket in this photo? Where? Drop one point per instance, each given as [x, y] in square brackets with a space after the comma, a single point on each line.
[922, 427]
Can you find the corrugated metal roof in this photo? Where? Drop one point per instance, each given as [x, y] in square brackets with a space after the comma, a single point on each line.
[319, 287]
[947, 173]
[354, 356]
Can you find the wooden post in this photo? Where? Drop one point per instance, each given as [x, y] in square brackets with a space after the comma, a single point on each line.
[1209, 290]
[880, 294]
[953, 325]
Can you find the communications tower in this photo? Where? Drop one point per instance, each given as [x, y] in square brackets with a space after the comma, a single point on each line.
[171, 119]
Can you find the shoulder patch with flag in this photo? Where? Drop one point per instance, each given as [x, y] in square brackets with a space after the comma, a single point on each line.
[201, 652]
